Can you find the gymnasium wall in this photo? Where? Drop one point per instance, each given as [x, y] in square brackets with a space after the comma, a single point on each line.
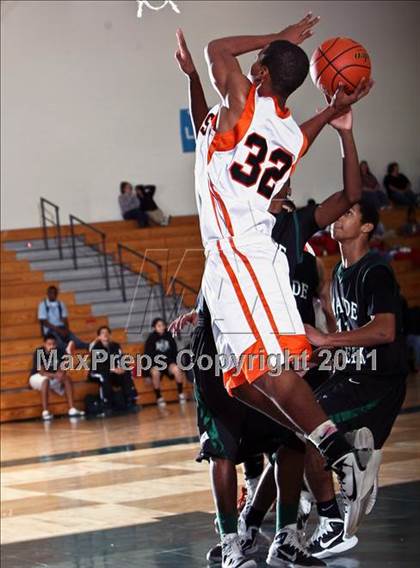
[91, 95]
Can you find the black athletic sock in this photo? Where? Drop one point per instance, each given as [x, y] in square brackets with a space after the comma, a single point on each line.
[158, 393]
[329, 509]
[254, 517]
[180, 388]
[334, 447]
[254, 466]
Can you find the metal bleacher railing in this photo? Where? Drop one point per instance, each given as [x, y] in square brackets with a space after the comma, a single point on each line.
[100, 247]
[176, 290]
[46, 207]
[157, 280]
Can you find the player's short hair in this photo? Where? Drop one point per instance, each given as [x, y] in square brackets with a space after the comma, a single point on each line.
[288, 65]
[51, 288]
[157, 320]
[369, 214]
[103, 327]
[48, 336]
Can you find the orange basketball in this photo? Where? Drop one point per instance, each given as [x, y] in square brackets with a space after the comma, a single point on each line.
[339, 60]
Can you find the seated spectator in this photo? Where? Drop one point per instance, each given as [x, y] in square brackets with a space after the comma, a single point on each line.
[371, 188]
[398, 186]
[130, 205]
[107, 371]
[161, 343]
[46, 374]
[411, 226]
[53, 317]
[145, 195]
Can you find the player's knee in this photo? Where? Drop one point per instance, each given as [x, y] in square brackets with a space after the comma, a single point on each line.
[222, 465]
[178, 374]
[155, 373]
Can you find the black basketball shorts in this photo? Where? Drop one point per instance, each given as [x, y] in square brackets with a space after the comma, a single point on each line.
[355, 401]
[228, 428]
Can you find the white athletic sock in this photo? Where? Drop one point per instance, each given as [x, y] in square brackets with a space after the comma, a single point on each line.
[322, 432]
[251, 485]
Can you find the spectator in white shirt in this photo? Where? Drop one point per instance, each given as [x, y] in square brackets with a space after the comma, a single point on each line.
[47, 374]
[53, 318]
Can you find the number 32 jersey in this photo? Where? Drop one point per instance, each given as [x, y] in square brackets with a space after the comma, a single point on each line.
[239, 171]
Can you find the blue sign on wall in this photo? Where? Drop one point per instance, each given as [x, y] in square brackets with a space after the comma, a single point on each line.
[187, 131]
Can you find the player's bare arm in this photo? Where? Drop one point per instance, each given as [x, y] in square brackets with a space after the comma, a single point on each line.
[380, 330]
[338, 203]
[325, 296]
[226, 73]
[338, 105]
[197, 99]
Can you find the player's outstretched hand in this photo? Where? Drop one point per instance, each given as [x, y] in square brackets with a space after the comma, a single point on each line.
[297, 33]
[341, 101]
[183, 55]
[315, 336]
[182, 321]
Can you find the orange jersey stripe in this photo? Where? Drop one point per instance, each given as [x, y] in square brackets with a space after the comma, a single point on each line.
[295, 344]
[302, 152]
[213, 202]
[223, 207]
[281, 113]
[223, 141]
[239, 294]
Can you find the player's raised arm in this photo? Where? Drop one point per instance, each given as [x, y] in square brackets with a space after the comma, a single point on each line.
[198, 103]
[338, 203]
[225, 71]
[338, 105]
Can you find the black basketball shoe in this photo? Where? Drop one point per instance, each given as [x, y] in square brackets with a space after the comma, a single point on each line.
[286, 551]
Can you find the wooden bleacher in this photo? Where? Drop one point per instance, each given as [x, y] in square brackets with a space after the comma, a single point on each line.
[176, 247]
[22, 290]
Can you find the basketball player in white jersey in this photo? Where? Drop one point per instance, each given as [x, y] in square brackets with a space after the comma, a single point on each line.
[247, 148]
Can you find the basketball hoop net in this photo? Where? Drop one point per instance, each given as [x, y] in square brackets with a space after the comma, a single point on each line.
[141, 3]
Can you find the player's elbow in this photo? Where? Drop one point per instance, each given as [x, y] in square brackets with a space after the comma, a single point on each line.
[211, 50]
[391, 336]
[215, 50]
[388, 334]
[355, 194]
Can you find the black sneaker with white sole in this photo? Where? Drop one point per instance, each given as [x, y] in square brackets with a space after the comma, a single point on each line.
[214, 555]
[356, 473]
[328, 538]
[286, 551]
[248, 541]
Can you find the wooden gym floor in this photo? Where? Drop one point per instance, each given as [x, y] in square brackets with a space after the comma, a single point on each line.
[126, 492]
